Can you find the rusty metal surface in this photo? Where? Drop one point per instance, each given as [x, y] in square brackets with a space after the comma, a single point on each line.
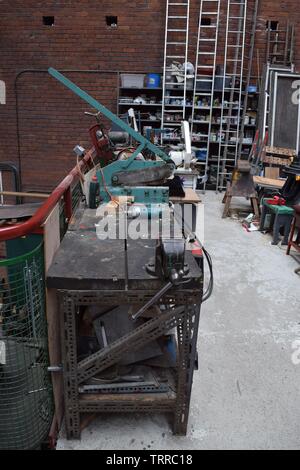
[19, 211]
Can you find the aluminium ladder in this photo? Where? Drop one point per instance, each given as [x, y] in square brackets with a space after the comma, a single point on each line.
[248, 70]
[231, 110]
[176, 50]
[206, 56]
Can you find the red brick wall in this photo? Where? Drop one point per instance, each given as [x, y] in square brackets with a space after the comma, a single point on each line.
[51, 119]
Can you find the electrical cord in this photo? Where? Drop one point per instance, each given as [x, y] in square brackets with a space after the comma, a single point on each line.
[207, 294]
[210, 287]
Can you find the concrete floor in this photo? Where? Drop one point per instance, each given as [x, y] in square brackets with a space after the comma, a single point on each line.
[246, 392]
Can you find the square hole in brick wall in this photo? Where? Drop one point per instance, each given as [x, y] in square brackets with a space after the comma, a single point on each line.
[112, 21]
[48, 20]
[205, 21]
[272, 25]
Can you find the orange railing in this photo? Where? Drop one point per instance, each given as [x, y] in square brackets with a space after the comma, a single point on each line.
[63, 190]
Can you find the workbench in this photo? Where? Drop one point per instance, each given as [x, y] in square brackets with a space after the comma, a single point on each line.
[89, 272]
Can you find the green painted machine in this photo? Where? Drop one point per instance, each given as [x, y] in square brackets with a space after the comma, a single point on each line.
[139, 175]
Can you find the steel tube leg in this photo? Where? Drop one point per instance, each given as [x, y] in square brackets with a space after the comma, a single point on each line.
[263, 218]
[69, 354]
[291, 237]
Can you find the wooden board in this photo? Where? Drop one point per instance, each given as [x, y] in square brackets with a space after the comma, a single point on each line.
[268, 182]
[286, 152]
[51, 245]
[272, 173]
[190, 197]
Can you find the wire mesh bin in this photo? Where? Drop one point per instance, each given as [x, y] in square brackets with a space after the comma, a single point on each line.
[26, 404]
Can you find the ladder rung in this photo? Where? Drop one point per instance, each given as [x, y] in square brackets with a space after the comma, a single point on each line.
[277, 42]
[206, 53]
[172, 4]
[170, 123]
[203, 94]
[207, 40]
[177, 30]
[176, 43]
[206, 80]
[175, 56]
[173, 97]
[177, 17]
[205, 66]
[211, 26]
[173, 110]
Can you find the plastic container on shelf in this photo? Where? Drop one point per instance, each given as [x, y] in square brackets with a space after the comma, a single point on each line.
[252, 89]
[201, 154]
[130, 80]
[153, 80]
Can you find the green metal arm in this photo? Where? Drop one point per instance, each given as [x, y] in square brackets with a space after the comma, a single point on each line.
[111, 116]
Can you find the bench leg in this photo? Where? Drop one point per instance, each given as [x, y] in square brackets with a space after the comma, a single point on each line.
[227, 206]
[287, 228]
[292, 233]
[255, 206]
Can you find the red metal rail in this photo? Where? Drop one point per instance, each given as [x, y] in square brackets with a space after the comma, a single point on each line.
[62, 190]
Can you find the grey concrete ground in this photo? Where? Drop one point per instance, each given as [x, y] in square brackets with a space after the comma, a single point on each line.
[246, 394]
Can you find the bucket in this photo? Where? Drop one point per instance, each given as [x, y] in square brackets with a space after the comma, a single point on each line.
[153, 80]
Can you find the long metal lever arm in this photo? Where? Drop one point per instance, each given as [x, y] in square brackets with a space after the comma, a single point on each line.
[111, 116]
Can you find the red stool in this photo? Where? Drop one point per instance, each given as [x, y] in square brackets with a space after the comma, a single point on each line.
[295, 242]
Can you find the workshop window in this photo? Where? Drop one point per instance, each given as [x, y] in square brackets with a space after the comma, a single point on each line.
[205, 21]
[48, 20]
[112, 21]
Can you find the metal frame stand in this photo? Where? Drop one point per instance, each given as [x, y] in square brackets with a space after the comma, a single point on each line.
[185, 318]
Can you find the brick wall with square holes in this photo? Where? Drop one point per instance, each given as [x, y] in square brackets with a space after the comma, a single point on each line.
[41, 121]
